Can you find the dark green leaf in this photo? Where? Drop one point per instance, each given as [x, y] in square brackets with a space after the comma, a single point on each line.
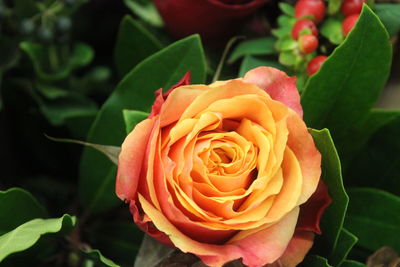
[351, 263]
[111, 152]
[134, 43]
[342, 93]
[25, 8]
[18, 206]
[389, 14]
[136, 91]
[46, 60]
[9, 53]
[315, 261]
[332, 30]
[96, 255]
[151, 252]
[377, 164]
[261, 46]
[362, 132]
[345, 243]
[146, 11]
[250, 62]
[133, 117]
[60, 105]
[332, 220]
[119, 240]
[374, 216]
[27, 234]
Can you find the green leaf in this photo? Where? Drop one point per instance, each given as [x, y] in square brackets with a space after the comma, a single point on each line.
[133, 117]
[261, 46]
[286, 44]
[333, 218]
[332, 30]
[287, 9]
[27, 234]
[374, 216]
[250, 62]
[111, 152]
[345, 243]
[99, 258]
[136, 91]
[351, 263]
[60, 105]
[342, 93]
[315, 261]
[151, 252]
[379, 156]
[18, 206]
[134, 43]
[43, 58]
[288, 58]
[147, 12]
[389, 14]
[361, 133]
[121, 240]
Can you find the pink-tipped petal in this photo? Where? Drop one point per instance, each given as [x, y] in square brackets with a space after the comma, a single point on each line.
[130, 160]
[278, 85]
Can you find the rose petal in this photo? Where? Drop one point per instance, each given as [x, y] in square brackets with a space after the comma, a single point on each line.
[278, 85]
[131, 158]
[312, 211]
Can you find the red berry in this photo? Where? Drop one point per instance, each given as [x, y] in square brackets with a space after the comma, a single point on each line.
[301, 25]
[350, 7]
[308, 43]
[314, 9]
[349, 22]
[315, 64]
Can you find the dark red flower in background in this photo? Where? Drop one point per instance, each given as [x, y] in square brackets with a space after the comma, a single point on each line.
[214, 20]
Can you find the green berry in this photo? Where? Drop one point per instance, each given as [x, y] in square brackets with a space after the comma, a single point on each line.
[45, 34]
[26, 27]
[63, 24]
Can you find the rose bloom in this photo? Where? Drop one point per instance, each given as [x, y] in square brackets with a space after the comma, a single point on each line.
[226, 171]
[213, 19]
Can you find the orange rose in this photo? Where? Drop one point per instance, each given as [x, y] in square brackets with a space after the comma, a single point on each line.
[220, 171]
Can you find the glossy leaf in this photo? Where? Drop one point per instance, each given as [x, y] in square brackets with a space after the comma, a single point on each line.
[333, 218]
[345, 243]
[27, 234]
[18, 206]
[389, 14]
[134, 43]
[374, 216]
[133, 117]
[136, 91]
[250, 62]
[260, 46]
[40, 55]
[344, 90]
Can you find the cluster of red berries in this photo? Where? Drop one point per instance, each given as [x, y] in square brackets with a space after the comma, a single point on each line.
[309, 13]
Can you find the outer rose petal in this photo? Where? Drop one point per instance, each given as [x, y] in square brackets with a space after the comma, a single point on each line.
[278, 85]
[312, 211]
[130, 160]
[262, 247]
[297, 249]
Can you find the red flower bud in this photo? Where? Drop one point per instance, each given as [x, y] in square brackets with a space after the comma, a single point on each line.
[214, 20]
[349, 22]
[308, 43]
[313, 9]
[315, 64]
[301, 25]
[350, 7]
